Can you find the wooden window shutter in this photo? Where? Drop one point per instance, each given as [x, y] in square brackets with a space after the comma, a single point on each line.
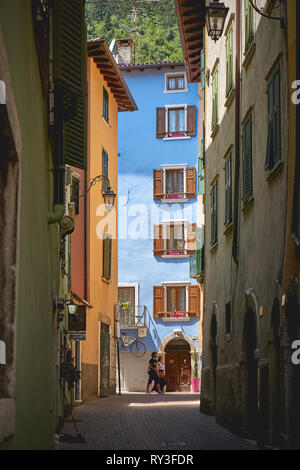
[160, 123]
[158, 301]
[70, 57]
[194, 301]
[191, 121]
[191, 238]
[191, 182]
[276, 119]
[158, 184]
[157, 240]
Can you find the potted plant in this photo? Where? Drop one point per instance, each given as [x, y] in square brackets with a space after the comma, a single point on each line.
[195, 378]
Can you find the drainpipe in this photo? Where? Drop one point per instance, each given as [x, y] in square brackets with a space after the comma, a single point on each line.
[235, 245]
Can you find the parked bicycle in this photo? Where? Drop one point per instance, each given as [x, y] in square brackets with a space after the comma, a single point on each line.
[136, 346]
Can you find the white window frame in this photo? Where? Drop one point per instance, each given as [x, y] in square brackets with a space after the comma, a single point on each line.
[185, 284]
[181, 166]
[172, 74]
[179, 222]
[136, 296]
[175, 106]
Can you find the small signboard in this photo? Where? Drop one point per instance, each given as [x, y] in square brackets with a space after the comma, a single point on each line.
[77, 336]
[77, 322]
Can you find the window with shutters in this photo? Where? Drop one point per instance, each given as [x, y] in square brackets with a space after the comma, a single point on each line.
[175, 82]
[228, 318]
[274, 122]
[247, 160]
[107, 245]
[176, 122]
[104, 170]
[75, 193]
[248, 25]
[202, 63]
[174, 239]
[215, 98]
[176, 301]
[105, 105]
[201, 175]
[228, 190]
[214, 213]
[229, 61]
[174, 183]
[70, 103]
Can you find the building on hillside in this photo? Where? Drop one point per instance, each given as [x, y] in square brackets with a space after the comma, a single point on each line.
[159, 305]
[108, 95]
[42, 129]
[249, 147]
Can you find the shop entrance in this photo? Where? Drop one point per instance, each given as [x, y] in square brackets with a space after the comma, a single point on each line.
[178, 366]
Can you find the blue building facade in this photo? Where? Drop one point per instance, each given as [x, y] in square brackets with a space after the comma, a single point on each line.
[159, 303]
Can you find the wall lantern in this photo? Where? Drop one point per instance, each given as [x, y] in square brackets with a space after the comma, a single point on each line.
[72, 308]
[108, 194]
[215, 19]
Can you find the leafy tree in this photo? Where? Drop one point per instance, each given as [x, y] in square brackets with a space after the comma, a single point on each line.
[152, 25]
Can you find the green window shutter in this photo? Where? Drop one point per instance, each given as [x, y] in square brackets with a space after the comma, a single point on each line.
[277, 119]
[229, 61]
[70, 77]
[248, 24]
[107, 246]
[214, 99]
[70, 43]
[247, 160]
[273, 155]
[228, 190]
[105, 105]
[214, 213]
[104, 170]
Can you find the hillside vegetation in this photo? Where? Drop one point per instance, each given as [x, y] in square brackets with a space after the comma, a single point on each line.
[152, 24]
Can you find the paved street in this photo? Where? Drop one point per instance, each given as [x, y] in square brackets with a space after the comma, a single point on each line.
[153, 422]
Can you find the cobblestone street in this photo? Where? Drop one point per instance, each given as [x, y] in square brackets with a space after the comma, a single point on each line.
[150, 422]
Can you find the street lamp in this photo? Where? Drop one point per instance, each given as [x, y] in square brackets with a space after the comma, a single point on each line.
[72, 308]
[215, 19]
[108, 194]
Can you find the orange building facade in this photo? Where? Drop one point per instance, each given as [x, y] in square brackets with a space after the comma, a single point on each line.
[107, 96]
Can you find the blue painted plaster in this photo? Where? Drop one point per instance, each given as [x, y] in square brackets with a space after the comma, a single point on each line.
[141, 152]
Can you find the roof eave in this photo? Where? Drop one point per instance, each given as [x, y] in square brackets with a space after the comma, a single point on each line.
[99, 51]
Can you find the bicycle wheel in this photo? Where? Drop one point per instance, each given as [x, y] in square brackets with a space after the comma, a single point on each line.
[138, 348]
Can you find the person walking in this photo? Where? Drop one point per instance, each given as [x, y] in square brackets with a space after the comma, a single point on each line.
[152, 372]
[161, 373]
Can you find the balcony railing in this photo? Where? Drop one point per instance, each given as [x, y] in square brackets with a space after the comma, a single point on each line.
[177, 316]
[132, 316]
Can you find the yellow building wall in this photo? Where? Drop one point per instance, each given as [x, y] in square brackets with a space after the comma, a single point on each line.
[101, 294]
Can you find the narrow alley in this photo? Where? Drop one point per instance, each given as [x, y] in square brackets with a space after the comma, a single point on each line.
[136, 421]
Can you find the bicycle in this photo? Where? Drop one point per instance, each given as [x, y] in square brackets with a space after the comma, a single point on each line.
[137, 347]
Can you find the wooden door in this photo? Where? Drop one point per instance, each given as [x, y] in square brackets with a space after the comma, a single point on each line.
[178, 371]
[104, 360]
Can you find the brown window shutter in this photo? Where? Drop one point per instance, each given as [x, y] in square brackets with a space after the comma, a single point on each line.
[194, 301]
[157, 184]
[160, 123]
[191, 238]
[157, 240]
[158, 301]
[191, 182]
[191, 121]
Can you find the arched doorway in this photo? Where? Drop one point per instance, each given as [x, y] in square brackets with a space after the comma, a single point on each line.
[214, 359]
[292, 371]
[250, 346]
[274, 373]
[178, 365]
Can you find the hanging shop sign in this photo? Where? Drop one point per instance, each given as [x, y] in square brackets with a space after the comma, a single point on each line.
[77, 322]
